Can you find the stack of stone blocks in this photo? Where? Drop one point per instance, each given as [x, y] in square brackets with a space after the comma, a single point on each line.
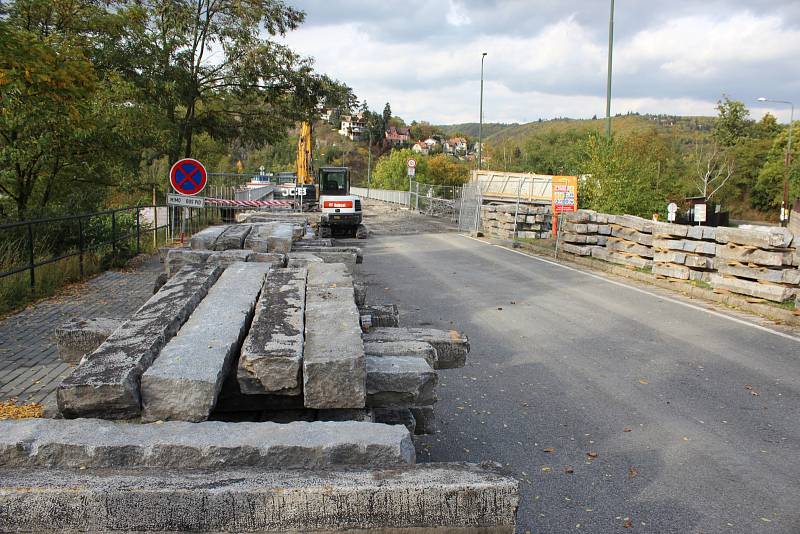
[252, 364]
[581, 231]
[683, 252]
[523, 221]
[630, 243]
[760, 263]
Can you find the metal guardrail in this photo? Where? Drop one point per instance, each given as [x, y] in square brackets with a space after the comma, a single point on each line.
[36, 243]
[386, 195]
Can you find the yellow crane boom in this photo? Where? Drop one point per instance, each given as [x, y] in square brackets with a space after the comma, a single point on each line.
[305, 168]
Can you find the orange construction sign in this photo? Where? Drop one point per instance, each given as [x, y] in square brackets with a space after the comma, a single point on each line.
[565, 197]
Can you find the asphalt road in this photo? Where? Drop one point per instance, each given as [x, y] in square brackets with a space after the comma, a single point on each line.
[692, 420]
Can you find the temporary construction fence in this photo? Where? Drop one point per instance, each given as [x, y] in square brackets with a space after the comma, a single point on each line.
[523, 191]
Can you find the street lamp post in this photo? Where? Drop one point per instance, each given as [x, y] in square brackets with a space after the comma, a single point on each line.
[480, 118]
[608, 81]
[369, 163]
[787, 161]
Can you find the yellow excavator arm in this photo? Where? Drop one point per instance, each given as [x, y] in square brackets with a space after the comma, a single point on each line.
[305, 170]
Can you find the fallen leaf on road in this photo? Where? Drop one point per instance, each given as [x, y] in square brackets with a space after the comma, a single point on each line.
[569, 470]
[628, 523]
[632, 472]
[546, 469]
[643, 381]
[626, 429]
[591, 455]
[765, 520]
[499, 308]
[548, 449]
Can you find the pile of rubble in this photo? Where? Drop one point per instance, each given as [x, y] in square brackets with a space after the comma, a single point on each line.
[683, 252]
[581, 231]
[762, 264]
[245, 368]
[524, 222]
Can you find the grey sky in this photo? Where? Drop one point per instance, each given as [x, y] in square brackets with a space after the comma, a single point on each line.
[546, 58]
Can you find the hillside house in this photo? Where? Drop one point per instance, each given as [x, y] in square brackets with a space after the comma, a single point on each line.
[397, 136]
[456, 145]
[353, 127]
[420, 147]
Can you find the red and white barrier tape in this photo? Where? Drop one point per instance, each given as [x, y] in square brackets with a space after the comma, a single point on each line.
[248, 203]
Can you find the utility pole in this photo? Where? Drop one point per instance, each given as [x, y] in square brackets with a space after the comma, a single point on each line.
[608, 83]
[784, 217]
[480, 118]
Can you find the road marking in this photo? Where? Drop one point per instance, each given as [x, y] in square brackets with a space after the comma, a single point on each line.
[632, 288]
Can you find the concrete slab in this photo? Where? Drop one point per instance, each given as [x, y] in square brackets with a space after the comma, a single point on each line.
[233, 237]
[107, 383]
[77, 336]
[420, 499]
[302, 262]
[396, 416]
[226, 258]
[768, 291]
[280, 238]
[771, 238]
[451, 346]
[178, 258]
[418, 349]
[349, 259]
[748, 254]
[95, 443]
[334, 370]
[273, 258]
[205, 239]
[386, 315]
[272, 354]
[185, 380]
[328, 275]
[399, 382]
[331, 249]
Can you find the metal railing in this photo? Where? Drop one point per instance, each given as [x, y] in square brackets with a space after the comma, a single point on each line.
[384, 195]
[30, 245]
[436, 200]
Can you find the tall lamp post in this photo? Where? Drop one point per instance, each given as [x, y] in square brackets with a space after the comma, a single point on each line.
[787, 161]
[369, 163]
[608, 81]
[480, 118]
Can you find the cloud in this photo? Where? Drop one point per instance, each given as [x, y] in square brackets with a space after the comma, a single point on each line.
[456, 15]
[548, 58]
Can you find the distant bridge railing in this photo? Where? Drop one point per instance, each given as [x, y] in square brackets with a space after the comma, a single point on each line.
[386, 195]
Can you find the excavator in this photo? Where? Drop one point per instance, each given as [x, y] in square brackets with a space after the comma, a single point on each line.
[330, 192]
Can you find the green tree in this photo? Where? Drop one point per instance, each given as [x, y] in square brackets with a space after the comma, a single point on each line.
[214, 66]
[627, 175]
[387, 115]
[391, 171]
[733, 123]
[444, 170]
[768, 188]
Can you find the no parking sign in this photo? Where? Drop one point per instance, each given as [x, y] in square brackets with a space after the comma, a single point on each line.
[188, 177]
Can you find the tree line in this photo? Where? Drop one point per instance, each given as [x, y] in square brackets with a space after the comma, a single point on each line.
[738, 162]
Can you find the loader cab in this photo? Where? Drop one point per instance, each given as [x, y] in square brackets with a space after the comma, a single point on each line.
[334, 181]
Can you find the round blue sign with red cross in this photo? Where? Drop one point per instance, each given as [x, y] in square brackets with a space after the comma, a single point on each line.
[188, 176]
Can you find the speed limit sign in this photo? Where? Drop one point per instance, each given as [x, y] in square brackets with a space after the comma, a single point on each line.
[412, 163]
